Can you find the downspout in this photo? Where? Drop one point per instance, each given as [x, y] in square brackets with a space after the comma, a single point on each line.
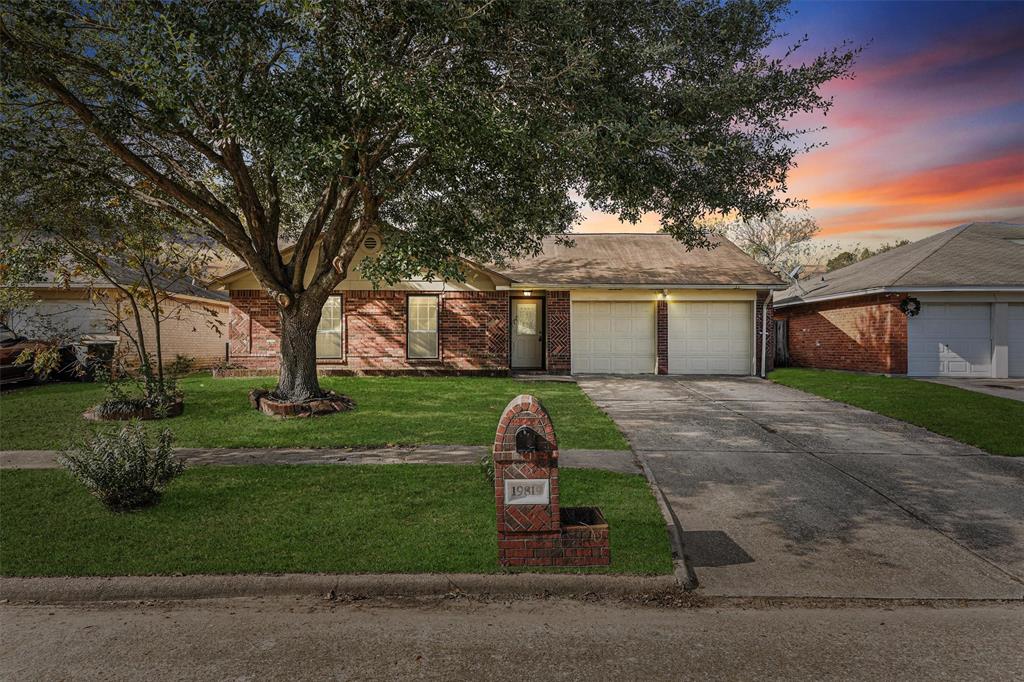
[764, 334]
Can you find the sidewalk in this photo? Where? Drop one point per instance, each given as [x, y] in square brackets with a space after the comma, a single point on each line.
[621, 461]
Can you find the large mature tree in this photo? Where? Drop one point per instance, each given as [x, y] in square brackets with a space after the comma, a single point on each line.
[459, 128]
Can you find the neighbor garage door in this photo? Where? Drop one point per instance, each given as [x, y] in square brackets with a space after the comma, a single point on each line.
[613, 338]
[1016, 339]
[710, 337]
[950, 340]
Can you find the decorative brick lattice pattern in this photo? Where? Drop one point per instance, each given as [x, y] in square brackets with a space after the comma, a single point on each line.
[662, 325]
[474, 329]
[533, 535]
[864, 334]
[558, 332]
[254, 329]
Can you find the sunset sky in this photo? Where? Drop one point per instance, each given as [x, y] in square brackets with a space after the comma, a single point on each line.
[930, 132]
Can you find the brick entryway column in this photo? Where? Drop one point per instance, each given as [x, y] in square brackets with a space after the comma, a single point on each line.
[662, 337]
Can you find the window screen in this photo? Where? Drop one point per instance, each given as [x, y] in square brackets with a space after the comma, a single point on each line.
[422, 338]
[328, 332]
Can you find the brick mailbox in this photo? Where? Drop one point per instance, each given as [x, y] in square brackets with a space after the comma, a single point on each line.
[533, 530]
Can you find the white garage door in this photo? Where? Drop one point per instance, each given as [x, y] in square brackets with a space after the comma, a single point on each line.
[1016, 339]
[950, 340]
[56, 317]
[706, 337]
[613, 338]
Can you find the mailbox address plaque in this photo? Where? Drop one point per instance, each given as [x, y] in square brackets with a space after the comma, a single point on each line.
[527, 491]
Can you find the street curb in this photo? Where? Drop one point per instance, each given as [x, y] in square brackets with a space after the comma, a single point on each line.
[684, 573]
[130, 588]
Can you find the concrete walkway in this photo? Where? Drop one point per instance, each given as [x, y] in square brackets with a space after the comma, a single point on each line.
[1012, 389]
[781, 493]
[621, 461]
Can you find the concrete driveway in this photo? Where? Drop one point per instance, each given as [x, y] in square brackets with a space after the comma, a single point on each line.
[781, 493]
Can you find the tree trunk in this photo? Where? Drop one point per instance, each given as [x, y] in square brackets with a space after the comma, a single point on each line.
[297, 380]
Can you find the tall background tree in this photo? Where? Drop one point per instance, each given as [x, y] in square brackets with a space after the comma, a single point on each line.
[780, 241]
[457, 128]
[859, 253]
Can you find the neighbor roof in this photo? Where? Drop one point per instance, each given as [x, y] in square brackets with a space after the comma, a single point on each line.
[981, 256]
[183, 286]
[631, 259]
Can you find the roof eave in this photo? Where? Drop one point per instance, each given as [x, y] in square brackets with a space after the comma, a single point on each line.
[649, 285]
[983, 288]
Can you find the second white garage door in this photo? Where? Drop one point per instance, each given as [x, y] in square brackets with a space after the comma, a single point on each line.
[950, 340]
[613, 338]
[710, 337]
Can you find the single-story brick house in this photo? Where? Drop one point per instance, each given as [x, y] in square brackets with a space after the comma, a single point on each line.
[949, 305]
[86, 309]
[612, 303]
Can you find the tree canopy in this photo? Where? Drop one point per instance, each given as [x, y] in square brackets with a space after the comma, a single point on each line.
[457, 128]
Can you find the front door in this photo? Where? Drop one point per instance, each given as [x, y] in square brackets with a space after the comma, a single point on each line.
[527, 339]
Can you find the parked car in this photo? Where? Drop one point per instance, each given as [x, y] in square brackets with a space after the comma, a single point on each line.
[77, 362]
[11, 346]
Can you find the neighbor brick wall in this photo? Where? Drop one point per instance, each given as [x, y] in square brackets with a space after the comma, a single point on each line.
[559, 351]
[762, 297]
[865, 334]
[189, 328]
[472, 326]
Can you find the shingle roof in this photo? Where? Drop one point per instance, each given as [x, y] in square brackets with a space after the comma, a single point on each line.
[638, 260]
[184, 286]
[981, 255]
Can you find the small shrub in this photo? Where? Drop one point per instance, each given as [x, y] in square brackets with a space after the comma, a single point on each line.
[182, 365]
[122, 468]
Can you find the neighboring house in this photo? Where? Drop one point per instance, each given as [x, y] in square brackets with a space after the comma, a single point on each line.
[613, 303]
[85, 309]
[968, 283]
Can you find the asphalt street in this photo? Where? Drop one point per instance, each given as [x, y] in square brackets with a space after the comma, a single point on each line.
[309, 638]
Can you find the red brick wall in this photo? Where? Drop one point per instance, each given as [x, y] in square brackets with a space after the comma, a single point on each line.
[762, 297]
[254, 329]
[472, 328]
[375, 330]
[559, 351]
[534, 534]
[865, 334]
[662, 328]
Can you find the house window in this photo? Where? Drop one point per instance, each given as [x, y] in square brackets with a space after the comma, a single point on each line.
[329, 332]
[421, 339]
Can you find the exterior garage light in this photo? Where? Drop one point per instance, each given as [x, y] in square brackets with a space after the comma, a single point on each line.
[527, 293]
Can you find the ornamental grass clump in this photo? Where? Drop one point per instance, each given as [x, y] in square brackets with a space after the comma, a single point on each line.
[122, 468]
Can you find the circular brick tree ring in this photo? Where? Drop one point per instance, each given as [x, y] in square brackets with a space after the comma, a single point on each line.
[329, 403]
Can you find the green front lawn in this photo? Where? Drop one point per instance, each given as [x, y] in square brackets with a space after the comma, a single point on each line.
[984, 421]
[402, 518]
[389, 411]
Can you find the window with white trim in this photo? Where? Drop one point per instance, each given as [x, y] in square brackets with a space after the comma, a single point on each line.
[329, 332]
[421, 341]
